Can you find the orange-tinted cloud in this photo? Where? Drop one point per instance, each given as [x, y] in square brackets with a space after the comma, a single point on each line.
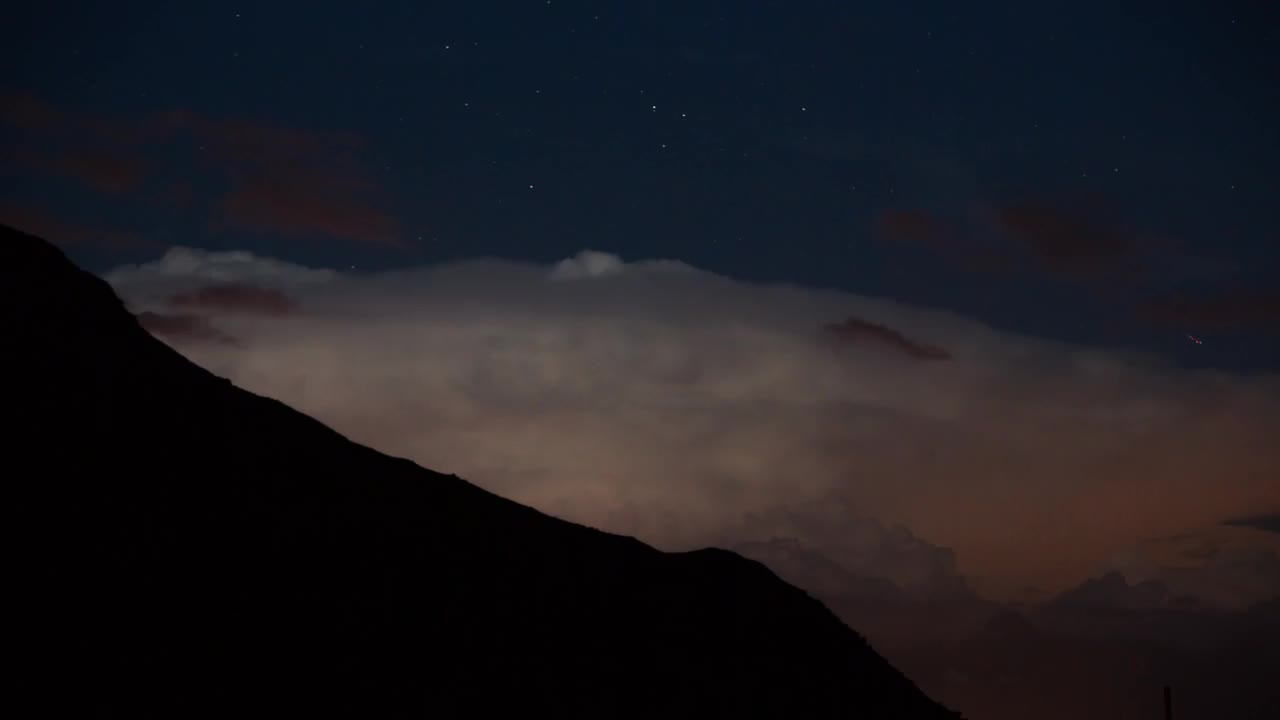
[855, 331]
[236, 298]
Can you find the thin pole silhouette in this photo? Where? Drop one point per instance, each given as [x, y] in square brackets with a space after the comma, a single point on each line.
[1168, 703]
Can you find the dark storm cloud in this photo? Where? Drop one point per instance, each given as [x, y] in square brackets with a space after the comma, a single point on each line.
[1270, 523]
[280, 180]
[655, 399]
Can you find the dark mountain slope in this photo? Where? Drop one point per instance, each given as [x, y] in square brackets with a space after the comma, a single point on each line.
[186, 547]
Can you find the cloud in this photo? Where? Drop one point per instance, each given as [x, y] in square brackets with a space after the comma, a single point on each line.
[1068, 240]
[1232, 565]
[183, 328]
[654, 399]
[1269, 523]
[854, 331]
[280, 180]
[290, 181]
[102, 170]
[587, 263]
[1113, 592]
[594, 264]
[101, 153]
[235, 298]
[834, 530]
[187, 269]
[973, 249]
[290, 209]
[912, 226]
[1235, 310]
[22, 110]
[40, 222]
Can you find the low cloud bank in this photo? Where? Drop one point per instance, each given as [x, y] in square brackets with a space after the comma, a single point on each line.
[655, 399]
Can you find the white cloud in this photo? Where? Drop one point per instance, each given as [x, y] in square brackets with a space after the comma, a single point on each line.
[182, 266]
[587, 263]
[655, 399]
[595, 264]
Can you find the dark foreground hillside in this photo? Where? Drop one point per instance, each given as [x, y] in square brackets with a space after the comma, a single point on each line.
[185, 547]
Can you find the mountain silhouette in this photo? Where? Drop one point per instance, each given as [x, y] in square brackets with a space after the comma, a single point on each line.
[188, 548]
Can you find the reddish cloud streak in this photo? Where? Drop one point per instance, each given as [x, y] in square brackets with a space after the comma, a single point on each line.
[244, 144]
[104, 171]
[1224, 312]
[281, 180]
[912, 226]
[27, 112]
[40, 222]
[1065, 241]
[855, 330]
[935, 234]
[293, 210]
[236, 298]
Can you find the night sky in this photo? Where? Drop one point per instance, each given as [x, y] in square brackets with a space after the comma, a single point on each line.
[941, 310]
[1101, 173]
